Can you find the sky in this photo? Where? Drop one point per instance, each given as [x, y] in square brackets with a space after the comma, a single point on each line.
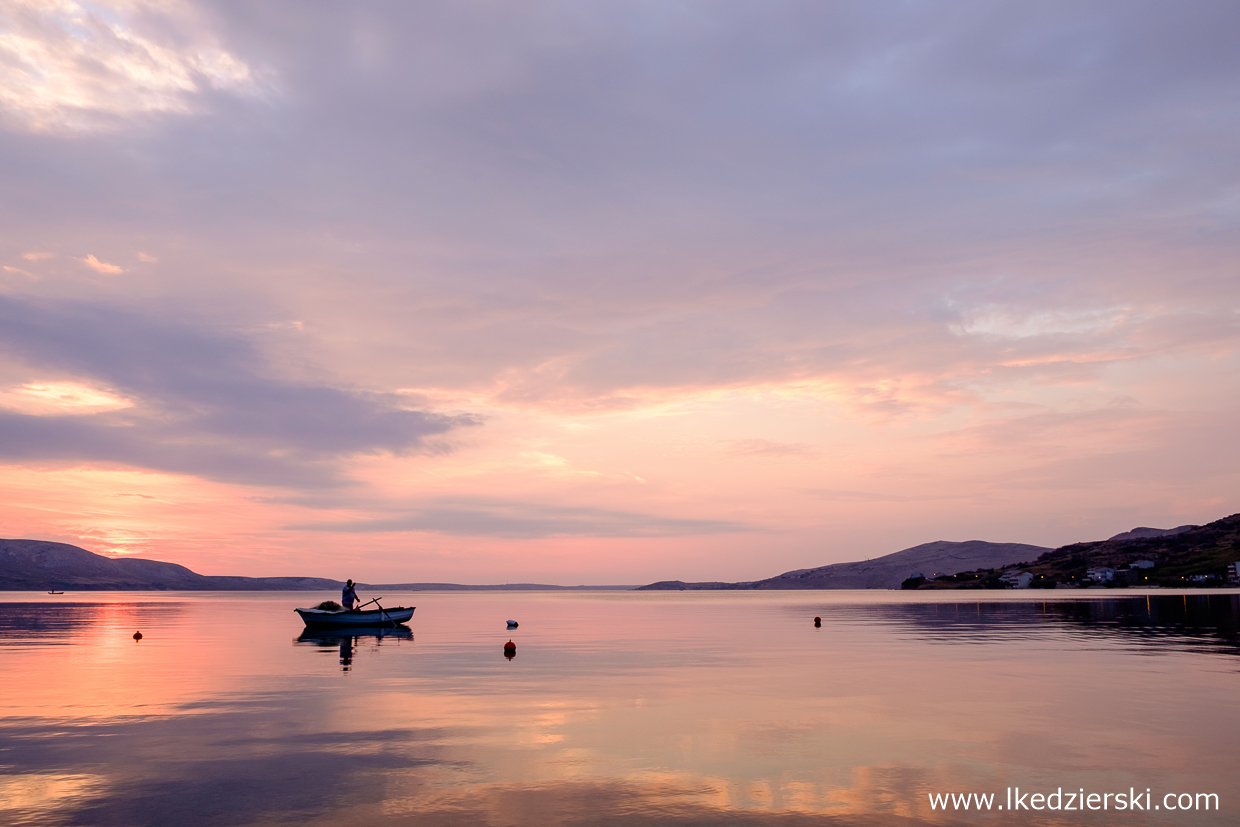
[613, 292]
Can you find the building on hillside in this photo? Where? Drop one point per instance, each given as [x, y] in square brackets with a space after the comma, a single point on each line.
[1142, 564]
[1016, 579]
[1101, 574]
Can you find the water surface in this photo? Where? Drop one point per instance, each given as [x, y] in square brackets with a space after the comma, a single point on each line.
[618, 709]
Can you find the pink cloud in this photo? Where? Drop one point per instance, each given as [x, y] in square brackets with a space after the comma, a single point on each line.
[101, 266]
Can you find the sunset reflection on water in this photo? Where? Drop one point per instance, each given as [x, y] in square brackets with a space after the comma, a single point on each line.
[619, 708]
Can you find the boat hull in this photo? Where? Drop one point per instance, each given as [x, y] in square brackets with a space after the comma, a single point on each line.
[321, 619]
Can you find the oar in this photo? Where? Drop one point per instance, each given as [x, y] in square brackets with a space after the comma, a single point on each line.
[384, 612]
[381, 610]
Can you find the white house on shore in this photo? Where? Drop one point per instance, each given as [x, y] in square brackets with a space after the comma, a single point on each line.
[1101, 574]
[1016, 579]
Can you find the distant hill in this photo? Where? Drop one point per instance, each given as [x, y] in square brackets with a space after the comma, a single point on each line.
[1143, 533]
[682, 586]
[1178, 554]
[889, 571]
[39, 565]
[505, 587]
[36, 565]
[1183, 556]
[886, 572]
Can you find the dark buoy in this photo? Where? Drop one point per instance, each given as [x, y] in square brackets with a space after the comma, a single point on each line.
[510, 650]
[137, 636]
[817, 622]
[512, 624]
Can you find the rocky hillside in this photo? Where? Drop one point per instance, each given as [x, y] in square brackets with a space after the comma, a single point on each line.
[38, 565]
[1144, 533]
[1186, 556]
[35, 565]
[886, 572]
[1178, 555]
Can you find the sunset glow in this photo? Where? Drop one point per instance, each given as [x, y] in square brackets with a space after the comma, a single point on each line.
[486, 293]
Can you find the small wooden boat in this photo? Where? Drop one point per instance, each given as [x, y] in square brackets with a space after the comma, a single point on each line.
[343, 619]
[53, 591]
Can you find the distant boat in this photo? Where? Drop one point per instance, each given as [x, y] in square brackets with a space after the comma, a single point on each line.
[324, 619]
[53, 591]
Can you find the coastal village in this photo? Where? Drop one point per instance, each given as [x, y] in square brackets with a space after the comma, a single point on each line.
[1190, 557]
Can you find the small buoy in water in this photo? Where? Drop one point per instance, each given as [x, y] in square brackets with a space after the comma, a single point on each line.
[512, 624]
[510, 650]
[817, 622]
[137, 636]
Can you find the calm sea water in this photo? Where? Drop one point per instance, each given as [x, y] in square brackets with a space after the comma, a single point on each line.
[618, 709]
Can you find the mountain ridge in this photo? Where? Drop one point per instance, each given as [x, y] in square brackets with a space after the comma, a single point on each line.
[41, 565]
[885, 572]
[1183, 557]
[44, 565]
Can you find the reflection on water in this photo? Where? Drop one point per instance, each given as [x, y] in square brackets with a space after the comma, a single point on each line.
[623, 709]
[347, 641]
[22, 623]
[1210, 621]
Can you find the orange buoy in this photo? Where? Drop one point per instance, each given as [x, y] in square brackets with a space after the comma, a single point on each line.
[510, 650]
[817, 621]
[137, 636]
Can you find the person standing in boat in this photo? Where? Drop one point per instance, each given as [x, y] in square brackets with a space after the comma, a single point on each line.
[348, 595]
